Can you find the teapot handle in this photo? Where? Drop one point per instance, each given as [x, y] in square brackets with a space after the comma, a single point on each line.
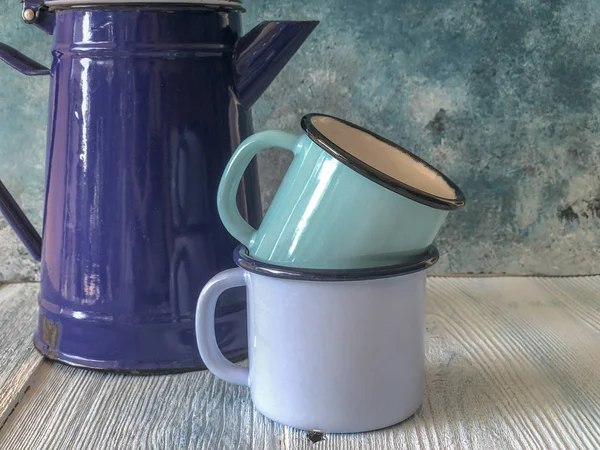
[11, 211]
[19, 222]
[18, 61]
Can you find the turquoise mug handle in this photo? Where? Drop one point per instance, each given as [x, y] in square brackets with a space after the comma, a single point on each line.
[232, 176]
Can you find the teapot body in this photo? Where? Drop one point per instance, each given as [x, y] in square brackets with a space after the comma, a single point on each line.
[143, 118]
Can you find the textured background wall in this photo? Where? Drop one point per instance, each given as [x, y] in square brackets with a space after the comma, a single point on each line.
[503, 96]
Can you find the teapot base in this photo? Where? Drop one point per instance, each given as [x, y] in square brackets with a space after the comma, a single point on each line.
[137, 348]
[80, 363]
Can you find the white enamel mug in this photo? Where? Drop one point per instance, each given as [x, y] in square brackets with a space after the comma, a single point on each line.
[338, 351]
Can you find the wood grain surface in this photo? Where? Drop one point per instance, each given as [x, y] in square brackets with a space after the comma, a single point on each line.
[511, 363]
[19, 361]
[79, 409]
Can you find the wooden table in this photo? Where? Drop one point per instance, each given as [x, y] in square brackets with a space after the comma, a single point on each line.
[511, 363]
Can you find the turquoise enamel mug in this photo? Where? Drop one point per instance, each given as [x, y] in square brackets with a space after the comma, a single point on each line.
[349, 199]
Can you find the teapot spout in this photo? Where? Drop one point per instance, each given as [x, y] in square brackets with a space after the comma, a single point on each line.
[261, 54]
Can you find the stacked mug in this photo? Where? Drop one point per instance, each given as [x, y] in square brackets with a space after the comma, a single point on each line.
[335, 278]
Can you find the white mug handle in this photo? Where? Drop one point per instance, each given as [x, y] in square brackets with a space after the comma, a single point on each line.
[205, 327]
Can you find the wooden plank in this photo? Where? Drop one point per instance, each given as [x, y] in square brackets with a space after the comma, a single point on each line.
[80, 409]
[511, 364]
[19, 361]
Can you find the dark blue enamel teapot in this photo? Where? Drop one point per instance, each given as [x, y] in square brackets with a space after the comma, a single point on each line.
[147, 103]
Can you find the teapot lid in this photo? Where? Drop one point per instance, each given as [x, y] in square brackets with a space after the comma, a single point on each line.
[229, 4]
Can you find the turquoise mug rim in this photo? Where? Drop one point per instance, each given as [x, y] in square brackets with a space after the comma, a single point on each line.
[414, 264]
[377, 176]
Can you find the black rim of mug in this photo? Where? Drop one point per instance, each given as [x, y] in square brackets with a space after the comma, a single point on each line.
[411, 265]
[375, 175]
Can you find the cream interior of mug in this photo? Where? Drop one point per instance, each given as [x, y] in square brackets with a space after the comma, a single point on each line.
[383, 157]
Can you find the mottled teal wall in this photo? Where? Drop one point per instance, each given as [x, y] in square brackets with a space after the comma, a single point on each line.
[503, 96]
